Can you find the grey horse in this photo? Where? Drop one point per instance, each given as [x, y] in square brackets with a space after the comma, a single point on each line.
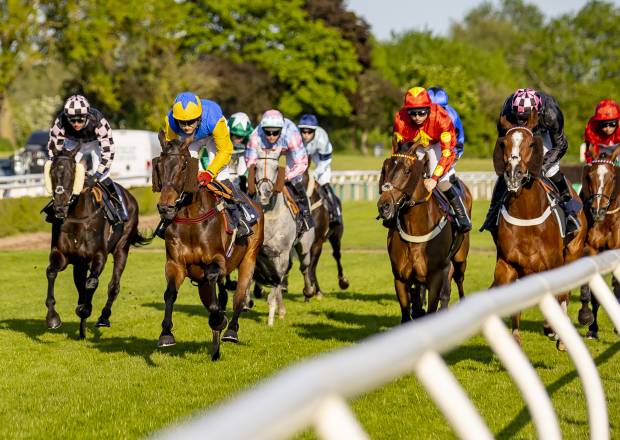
[266, 182]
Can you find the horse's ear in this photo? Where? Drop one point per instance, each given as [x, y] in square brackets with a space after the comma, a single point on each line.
[251, 180]
[74, 151]
[504, 123]
[536, 159]
[532, 120]
[585, 182]
[382, 177]
[498, 156]
[615, 153]
[162, 138]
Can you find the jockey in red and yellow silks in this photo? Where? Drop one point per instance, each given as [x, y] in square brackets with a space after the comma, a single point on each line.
[430, 126]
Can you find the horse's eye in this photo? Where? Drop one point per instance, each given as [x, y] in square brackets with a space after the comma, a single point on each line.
[407, 171]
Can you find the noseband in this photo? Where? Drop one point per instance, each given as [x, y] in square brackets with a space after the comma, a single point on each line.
[265, 180]
[186, 157]
[526, 176]
[402, 202]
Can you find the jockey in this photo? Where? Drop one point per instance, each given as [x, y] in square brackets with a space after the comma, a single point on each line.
[439, 96]
[203, 119]
[420, 121]
[319, 150]
[602, 134]
[517, 109]
[276, 132]
[81, 123]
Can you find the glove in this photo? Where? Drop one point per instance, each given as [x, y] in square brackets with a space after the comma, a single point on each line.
[204, 178]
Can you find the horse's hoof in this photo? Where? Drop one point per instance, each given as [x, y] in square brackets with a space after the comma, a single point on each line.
[306, 299]
[549, 332]
[318, 295]
[592, 335]
[560, 345]
[166, 341]
[230, 336]
[585, 316]
[343, 283]
[53, 322]
[102, 322]
[248, 306]
[219, 326]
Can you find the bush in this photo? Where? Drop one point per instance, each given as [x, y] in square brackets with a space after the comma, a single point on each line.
[6, 146]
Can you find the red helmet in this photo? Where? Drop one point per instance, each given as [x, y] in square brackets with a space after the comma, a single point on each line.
[417, 97]
[607, 110]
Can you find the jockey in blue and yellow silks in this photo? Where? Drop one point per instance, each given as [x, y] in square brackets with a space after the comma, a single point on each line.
[204, 120]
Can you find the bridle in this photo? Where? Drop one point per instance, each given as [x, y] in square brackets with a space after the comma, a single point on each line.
[527, 175]
[600, 196]
[405, 200]
[178, 203]
[265, 180]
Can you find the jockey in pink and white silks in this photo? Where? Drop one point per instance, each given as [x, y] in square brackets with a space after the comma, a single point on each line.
[278, 133]
[319, 150]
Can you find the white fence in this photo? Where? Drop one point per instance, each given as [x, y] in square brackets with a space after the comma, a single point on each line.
[315, 392]
[349, 185]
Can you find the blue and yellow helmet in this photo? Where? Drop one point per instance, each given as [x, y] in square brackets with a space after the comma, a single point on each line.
[187, 106]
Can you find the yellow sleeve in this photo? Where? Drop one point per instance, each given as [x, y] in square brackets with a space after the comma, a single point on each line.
[170, 134]
[223, 147]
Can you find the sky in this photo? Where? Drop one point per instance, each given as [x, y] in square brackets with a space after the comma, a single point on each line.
[385, 16]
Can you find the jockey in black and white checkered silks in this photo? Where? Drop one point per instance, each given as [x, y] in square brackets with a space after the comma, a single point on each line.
[550, 127]
[81, 124]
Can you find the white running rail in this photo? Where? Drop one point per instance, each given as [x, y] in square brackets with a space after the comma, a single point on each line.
[314, 393]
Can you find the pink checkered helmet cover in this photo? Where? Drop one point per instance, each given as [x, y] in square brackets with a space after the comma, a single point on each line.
[525, 100]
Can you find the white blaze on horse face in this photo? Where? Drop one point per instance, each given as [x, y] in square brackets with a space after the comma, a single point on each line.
[601, 171]
[515, 154]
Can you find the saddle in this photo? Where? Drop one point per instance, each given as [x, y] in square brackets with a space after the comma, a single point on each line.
[232, 199]
[290, 202]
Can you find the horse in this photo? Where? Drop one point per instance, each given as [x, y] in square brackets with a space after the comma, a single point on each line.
[528, 237]
[599, 192]
[324, 230]
[199, 245]
[82, 236]
[266, 185]
[421, 240]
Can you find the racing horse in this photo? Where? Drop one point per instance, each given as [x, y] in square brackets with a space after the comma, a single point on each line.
[199, 242]
[324, 230]
[266, 185]
[599, 192]
[529, 237]
[421, 240]
[82, 236]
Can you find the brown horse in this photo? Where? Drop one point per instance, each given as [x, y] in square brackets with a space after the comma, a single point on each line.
[421, 240]
[198, 244]
[599, 192]
[324, 230]
[82, 236]
[528, 237]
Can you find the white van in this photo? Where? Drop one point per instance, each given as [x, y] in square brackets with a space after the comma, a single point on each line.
[134, 152]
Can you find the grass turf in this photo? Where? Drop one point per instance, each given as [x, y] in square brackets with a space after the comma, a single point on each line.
[117, 383]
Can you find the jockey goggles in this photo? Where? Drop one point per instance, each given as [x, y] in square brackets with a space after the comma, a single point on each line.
[77, 119]
[307, 130]
[272, 132]
[418, 111]
[604, 124]
[187, 123]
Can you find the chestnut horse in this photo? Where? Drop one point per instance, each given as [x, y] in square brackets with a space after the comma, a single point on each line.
[324, 230]
[198, 245]
[599, 192]
[82, 236]
[528, 237]
[421, 240]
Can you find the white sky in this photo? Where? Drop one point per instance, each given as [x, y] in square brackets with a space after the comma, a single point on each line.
[385, 16]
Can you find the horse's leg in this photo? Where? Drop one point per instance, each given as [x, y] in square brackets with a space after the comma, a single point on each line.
[244, 278]
[120, 260]
[80, 271]
[257, 291]
[303, 250]
[58, 262]
[593, 328]
[85, 302]
[446, 290]
[585, 316]
[315, 254]
[335, 239]
[616, 285]
[505, 274]
[175, 274]
[217, 318]
[222, 293]
[402, 293]
[459, 276]
[271, 301]
[415, 293]
[437, 282]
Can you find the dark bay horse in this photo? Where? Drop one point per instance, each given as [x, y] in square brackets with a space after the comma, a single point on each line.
[198, 245]
[421, 240]
[528, 237]
[82, 236]
[323, 231]
[599, 192]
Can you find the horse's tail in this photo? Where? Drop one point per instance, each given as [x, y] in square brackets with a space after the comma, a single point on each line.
[137, 239]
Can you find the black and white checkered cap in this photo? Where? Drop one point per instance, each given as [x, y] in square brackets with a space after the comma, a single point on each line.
[76, 105]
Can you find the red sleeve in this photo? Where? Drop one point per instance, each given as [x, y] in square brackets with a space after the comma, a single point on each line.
[398, 133]
[447, 140]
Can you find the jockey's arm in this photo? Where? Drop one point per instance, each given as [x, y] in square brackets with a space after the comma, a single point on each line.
[56, 138]
[553, 121]
[447, 141]
[106, 143]
[251, 155]
[324, 156]
[223, 147]
[296, 157]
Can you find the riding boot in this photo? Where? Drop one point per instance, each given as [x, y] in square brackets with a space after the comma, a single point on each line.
[464, 224]
[333, 207]
[117, 200]
[499, 193]
[302, 201]
[237, 214]
[570, 206]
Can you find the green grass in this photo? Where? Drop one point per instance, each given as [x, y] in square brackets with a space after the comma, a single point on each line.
[117, 384]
